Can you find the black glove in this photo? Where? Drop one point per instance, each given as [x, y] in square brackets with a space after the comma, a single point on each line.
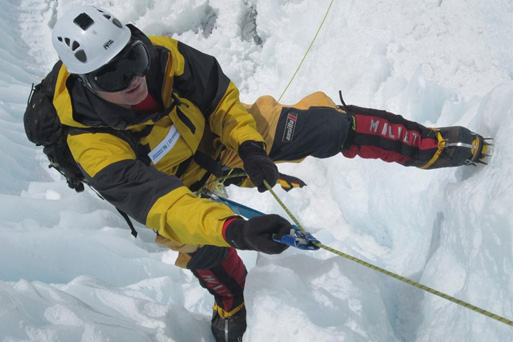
[258, 165]
[257, 233]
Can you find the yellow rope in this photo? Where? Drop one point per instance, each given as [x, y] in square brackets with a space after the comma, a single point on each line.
[393, 275]
[307, 51]
[219, 180]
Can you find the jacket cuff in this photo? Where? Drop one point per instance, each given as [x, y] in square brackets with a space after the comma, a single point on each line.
[251, 147]
[227, 223]
[234, 233]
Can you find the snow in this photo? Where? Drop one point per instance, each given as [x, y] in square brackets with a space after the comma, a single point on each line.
[72, 272]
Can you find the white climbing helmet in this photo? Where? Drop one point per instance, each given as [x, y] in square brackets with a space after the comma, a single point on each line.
[87, 37]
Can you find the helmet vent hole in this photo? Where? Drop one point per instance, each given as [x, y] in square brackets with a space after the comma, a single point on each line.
[107, 16]
[67, 41]
[81, 56]
[75, 45]
[117, 23]
[59, 39]
[83, 21]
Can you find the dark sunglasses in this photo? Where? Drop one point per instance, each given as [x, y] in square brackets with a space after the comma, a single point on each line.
[117, 75]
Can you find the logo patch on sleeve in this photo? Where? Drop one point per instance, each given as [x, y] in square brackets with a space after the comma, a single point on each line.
[290, 126]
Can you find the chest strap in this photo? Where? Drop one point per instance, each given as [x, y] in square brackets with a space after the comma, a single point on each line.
[212, 166]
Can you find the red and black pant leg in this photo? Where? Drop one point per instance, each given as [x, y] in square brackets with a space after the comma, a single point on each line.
[323, 132]
[378, 134]
[317, 131]
[222, 272]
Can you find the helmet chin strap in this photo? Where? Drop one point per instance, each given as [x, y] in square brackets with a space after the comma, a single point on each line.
[82, 79]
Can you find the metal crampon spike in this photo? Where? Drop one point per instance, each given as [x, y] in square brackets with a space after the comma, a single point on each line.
[488, 141]
[486, 152]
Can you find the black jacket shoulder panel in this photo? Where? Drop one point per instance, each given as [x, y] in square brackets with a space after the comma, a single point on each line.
[202, 81]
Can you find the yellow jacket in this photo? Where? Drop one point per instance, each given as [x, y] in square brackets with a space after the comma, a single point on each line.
[202, 112]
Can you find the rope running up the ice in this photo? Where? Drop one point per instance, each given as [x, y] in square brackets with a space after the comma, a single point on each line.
[307, 51]
[393, 275]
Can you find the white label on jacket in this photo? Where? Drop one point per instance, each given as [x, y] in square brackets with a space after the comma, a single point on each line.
[165, 145]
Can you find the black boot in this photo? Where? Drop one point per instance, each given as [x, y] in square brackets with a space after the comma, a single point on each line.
[231, 327]
[458, 146]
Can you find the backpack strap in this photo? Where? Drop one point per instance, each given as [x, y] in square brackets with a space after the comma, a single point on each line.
[209, 164]
[128, 221]
[213, 167]
[183, 167]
